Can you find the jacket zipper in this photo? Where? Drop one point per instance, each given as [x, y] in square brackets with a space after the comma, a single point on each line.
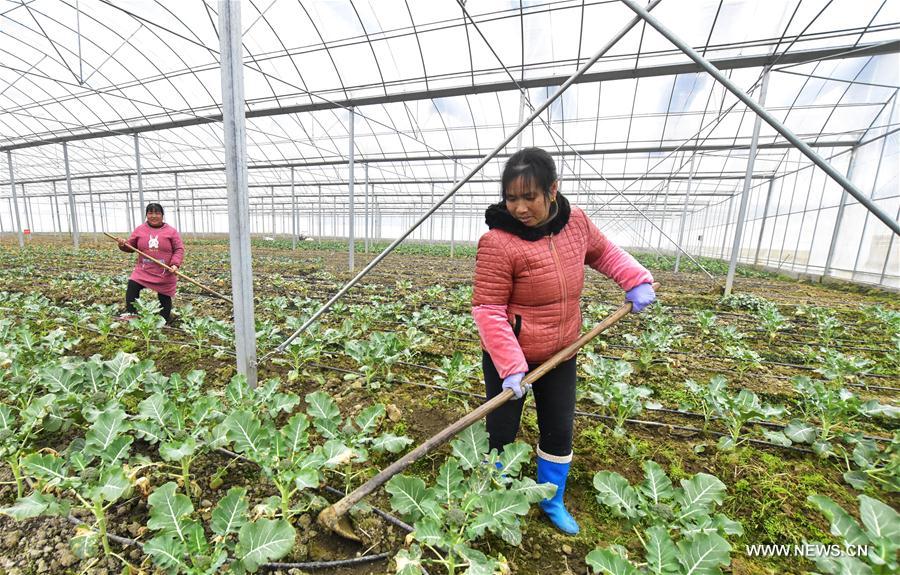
[562, 286]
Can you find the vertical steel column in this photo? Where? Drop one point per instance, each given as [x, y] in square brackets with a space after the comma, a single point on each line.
[687, 197]
[272, 197]
[762, 226]
[351, 241]
[58, 222]
[367, 216]
[319, 187]
[73, 214]
[431, 222]
[193, 214]
[26, 201]
[662, 217]
[771, 120]
[236, 183]
[871, 196]
[140, 179]
[15, 200]
[129, 206]
[293, 212]
[93, 218]
[177, 204]
[453, 217]
[745, 193]
[840, 215]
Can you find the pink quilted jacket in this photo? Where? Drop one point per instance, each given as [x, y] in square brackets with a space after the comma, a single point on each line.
[526, 300]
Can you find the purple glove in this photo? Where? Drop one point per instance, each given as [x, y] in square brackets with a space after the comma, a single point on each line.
[514, 382]
[640, 297]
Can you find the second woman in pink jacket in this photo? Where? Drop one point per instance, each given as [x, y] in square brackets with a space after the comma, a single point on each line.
[529, 273]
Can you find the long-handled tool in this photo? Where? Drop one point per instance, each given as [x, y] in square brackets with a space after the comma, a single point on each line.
[333, 517]
[174, 271]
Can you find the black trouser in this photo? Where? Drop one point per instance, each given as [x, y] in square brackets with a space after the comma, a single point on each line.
[134, 290]
[554, 397]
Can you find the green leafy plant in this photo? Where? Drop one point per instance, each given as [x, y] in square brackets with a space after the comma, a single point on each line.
[93, 471]
[706, 321]
[377, 355]
[348, 442]
[681, 535]
[657, 338]
[735, 410]
[879, 535]
[772, 321]
[825, 409]
[456, 372]
[181, 545]
[148, 322]
[877, 465]
[606, 385]
[841, 368]
[475, 492]
[179, 418]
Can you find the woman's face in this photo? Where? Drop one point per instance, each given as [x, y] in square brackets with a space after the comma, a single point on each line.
[154, 218]
[527, 202]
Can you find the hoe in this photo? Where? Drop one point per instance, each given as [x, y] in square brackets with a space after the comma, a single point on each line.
[333, 517]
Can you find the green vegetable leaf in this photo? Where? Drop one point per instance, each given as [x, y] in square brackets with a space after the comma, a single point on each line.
[703, 554]
[108, 426]
[167, 551]
[322, 407]
[607, 562]
[513, 456]
[661, 551]
[263, 541]
[367, 421]
[229, 515]
[245, 432]
[656, 486]
[614, 491]
[390, 443]
[408, 495]
[698, 494]
[842, 524]
[168, 509]
[449, 483]
[470, 445]
[178, 450]
[35, 505]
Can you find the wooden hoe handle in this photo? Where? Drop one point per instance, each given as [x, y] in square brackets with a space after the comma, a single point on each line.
[174, 271]
[330, 516]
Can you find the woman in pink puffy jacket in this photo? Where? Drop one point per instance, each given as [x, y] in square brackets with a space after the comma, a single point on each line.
[529, 273]
[155, 238]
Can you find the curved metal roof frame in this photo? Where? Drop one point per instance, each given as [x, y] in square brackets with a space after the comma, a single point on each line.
[400, 122]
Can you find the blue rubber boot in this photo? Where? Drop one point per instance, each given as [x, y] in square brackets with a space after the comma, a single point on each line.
[556, 473]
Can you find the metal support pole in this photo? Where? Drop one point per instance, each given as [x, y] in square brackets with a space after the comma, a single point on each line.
[350, 215]
[93, 217]
[840, 216]
[236, 184]
[762, 226]
[727, 222]
[687, 198]
[177, 204]
[453, 218]
[193, 214]
[745, 193]
[778, 126]
[129, 206]
[140, 179]
[15, 200]
[73, 214]
[320, 210]
[293, 213]
[366, 187]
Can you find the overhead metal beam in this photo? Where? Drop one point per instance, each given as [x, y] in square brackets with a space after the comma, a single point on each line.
[733, 63]
[771, 120]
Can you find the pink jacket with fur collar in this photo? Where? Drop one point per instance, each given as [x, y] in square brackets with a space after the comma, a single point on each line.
[526, 300]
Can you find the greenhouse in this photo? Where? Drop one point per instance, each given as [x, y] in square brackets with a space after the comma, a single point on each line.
[549, 286]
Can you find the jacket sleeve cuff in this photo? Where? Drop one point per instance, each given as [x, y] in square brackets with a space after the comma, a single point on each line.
[622, 268]
[498, 339]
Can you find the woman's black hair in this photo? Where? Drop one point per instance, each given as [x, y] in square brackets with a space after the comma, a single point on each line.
[154, 208]
[533, 164]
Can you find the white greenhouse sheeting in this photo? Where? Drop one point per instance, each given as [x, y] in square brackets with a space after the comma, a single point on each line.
[435, 87]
